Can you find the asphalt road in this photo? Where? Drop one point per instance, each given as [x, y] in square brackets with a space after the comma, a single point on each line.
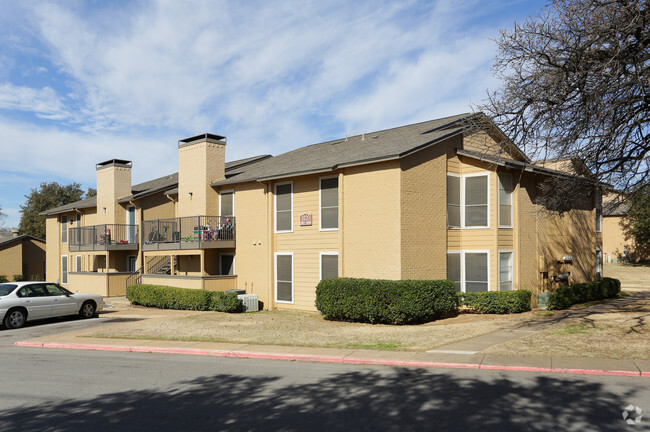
[67, 390]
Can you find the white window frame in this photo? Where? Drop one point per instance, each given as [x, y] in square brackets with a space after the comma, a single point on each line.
[77, 266]
[463, 272]
[512, 191]
[275, 277]
[275, 208]
[512, 267]
[229, 191]
[320, 203]
[64, 228]
[232, 254]
[320, 263]
[463, 179]
[64, 270]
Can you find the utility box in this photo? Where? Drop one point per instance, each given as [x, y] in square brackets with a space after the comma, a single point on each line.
[250, 302]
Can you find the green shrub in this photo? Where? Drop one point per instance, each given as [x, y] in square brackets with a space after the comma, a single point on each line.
[166, 297]
[497, 302]
[566, 296]
[385, 301]
[3, 279]
[222, 302]
[18, 278]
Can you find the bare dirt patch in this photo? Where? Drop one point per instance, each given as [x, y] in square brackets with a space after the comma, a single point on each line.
[620, 334]
[310, 329]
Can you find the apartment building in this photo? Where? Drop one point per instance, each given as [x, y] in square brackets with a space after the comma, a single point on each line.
[447, 198]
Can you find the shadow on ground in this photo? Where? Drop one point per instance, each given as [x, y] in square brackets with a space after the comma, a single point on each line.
[382, 399]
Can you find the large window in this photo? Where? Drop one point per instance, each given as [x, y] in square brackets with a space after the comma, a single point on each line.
[64, 269]
[505, 271]
[284, 277]
[329, 265]
[227, 203]
[469, 270]
[284, 207]
[505, 200]
[468, 202]
[64, 229]
[329, 203]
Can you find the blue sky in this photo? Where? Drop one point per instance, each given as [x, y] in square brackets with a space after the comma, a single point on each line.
[82, 82]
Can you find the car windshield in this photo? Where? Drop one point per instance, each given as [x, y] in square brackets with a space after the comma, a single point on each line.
[5, 289]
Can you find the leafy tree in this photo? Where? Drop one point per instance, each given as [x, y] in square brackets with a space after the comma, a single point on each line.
[576, 83]
[637, 225]
[47, 196]
[91, 192]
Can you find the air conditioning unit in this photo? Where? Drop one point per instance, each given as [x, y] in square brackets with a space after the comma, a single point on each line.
[250, 302]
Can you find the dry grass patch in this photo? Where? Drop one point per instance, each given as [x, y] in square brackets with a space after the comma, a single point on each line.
[310, 329]
[622, 334]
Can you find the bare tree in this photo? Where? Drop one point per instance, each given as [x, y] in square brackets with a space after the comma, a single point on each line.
[576, 83]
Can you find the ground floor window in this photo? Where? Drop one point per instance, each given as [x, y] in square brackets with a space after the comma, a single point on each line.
[505, 271]
[284, 277]
[64, 269]
[78, 266]
[469, 270]
[329, 265]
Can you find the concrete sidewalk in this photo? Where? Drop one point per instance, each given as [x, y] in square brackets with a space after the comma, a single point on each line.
[465, 354]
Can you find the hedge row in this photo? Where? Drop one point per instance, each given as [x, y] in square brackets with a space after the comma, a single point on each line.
[497, 302]
[566, 296]
[385, 301]
[165, 297]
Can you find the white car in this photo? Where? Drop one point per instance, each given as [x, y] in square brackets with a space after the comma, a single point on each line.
[27, 301]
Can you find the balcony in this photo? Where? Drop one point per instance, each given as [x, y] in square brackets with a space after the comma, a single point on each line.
[194, 232]
[103, 237]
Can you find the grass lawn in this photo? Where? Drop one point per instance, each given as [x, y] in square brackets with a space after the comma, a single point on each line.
[310, 329]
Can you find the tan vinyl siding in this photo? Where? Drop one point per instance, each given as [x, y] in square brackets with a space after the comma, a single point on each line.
[306, 242]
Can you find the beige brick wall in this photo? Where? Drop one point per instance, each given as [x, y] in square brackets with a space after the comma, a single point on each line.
[199, 164]
[614, 241]
[424, 212]
[113, 182]
[371, 221]
[11, 260]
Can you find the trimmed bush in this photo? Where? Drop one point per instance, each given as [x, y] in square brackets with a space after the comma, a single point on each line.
[222, 302]
[497, 302]
[18, 278]
[3, 279]
[385, 301]
[566, 296]
[165, 297]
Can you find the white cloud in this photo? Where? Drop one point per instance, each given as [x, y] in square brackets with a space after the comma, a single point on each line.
[43, 102]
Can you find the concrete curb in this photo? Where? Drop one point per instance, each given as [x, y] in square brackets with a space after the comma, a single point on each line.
[326, 359]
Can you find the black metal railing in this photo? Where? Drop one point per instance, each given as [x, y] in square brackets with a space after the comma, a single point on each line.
[102, 237]
[155, 265]
[189, 232]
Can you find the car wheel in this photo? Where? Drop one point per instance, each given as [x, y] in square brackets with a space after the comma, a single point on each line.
[87, 310]
[15, 318]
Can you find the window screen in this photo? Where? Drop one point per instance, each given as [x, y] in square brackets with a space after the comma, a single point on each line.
[505, 271]
[476, 201]
[329, 266]
[453, 201]
[329, 202]
[505, 200]
[227, 208]
[283, 207]
[453, 269]
[476, 272]
[284, 278]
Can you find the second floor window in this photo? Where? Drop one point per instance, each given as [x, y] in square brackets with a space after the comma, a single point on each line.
[505, 201]
[329, 203]
[64, 229]
[283, 207]
[468, 201]
[227, 206]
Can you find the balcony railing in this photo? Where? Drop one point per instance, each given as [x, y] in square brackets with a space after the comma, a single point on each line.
[194, 232]
[103, 237]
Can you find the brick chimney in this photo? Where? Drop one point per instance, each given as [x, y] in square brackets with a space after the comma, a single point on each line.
[201, 161]
[113, 183]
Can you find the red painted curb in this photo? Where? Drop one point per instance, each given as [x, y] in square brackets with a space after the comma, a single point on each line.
[323, 358]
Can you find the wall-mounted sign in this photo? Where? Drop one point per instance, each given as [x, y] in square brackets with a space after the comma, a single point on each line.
[305, 219]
